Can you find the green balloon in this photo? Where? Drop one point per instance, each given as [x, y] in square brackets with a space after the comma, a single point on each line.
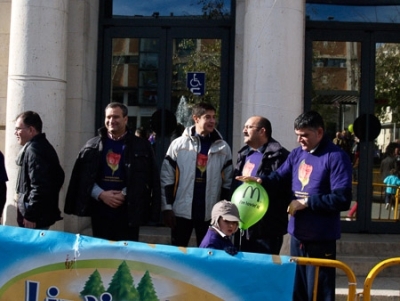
[351, 128]
[252, 201]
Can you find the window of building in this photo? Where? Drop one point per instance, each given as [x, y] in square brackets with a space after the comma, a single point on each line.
[211, 9]
[353, 13]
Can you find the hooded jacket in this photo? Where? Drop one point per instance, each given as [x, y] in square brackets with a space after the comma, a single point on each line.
[178, 173]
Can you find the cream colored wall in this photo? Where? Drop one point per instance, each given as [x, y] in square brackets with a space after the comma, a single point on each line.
[80, 95]
[5, 13]
[269, 54]
[81, 92]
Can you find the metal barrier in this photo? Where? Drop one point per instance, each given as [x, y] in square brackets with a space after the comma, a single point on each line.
[374, 272]
[379, 191]
[394, 200]
[352, 284]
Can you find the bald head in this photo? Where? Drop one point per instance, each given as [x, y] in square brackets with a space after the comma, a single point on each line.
[257, 131]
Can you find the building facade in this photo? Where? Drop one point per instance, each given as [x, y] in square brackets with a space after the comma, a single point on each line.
[66, 59]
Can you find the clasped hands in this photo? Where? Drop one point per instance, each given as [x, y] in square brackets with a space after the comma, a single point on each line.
[112, 198]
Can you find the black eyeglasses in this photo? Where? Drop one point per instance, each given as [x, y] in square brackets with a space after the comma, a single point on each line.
[249, 127]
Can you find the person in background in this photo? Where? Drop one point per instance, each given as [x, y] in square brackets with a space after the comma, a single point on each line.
[397, 154]
[3, 186]
[262, 155]
[321, 177]
[389, 162]
[141, 133]
[115, 180]
[338, 140]
[40, 175]
[391, 180]
[195, 174]
[152, 137]
[225, 220]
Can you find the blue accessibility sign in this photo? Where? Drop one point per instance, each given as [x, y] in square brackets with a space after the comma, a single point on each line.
[196, 81]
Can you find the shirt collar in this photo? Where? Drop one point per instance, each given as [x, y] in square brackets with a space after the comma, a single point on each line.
[218, 231]
[110, 135]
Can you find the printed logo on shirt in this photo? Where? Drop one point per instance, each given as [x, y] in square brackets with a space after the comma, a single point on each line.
[248, 168]
[113, 160]
[305, 171]
[202, 163]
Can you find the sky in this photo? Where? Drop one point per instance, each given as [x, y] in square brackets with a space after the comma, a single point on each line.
[163, 7]
[347, 13]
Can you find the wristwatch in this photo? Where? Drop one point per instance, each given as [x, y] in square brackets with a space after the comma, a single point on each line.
[123, 191]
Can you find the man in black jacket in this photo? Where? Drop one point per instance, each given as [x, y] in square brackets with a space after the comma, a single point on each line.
[260, 156]
[40, 175]
[115, 180]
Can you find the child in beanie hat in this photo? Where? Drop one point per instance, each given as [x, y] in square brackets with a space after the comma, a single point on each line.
[224, 223]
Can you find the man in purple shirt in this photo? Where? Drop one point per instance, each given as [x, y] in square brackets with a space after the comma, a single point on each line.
[321, 175]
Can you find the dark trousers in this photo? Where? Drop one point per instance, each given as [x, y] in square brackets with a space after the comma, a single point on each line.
[113, 228]
[267, 245]
[180, 235]
[304, 279]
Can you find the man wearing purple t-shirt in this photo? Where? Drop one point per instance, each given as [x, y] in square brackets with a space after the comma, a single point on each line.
[321, 175]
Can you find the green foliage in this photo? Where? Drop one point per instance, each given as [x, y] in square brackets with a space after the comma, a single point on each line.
[387, 79]
[213, 9]
[121, 287]
[94, 286]
[146, 289]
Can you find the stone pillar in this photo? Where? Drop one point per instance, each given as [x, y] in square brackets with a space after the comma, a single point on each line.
[36, 78]
[269, 56]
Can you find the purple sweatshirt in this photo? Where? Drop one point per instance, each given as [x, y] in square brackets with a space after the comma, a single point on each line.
[323, 176]
[214, 240]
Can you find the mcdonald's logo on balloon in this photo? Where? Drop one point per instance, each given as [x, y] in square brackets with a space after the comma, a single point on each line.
[252, 201]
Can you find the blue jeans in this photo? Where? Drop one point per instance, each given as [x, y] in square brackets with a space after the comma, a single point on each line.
[388, 198]
[304, 279]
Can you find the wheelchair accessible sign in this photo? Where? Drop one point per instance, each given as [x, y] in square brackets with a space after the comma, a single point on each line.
[195, 82]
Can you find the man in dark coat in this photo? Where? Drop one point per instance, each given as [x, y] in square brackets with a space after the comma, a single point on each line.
[115, 180]
[40, 175]
[259, 157]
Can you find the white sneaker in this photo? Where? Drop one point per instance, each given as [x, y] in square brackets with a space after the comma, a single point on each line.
[387, 206]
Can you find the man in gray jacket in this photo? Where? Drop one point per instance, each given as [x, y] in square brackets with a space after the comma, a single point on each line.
[196, 174]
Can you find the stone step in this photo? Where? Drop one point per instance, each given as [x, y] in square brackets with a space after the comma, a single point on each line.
[361, 266]
[375, 245]
[383, 288]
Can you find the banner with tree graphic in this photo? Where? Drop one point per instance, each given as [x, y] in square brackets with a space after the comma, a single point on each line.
[57, 266]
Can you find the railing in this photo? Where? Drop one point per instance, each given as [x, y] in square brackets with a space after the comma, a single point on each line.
[374, 272]
[352, 281]
[352, 284]
[379, 190]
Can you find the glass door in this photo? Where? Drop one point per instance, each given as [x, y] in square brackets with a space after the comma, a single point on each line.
[352, 82]
[160, 72]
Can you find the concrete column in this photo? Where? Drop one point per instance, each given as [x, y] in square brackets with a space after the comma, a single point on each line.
[36, 78]
[269, 65]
